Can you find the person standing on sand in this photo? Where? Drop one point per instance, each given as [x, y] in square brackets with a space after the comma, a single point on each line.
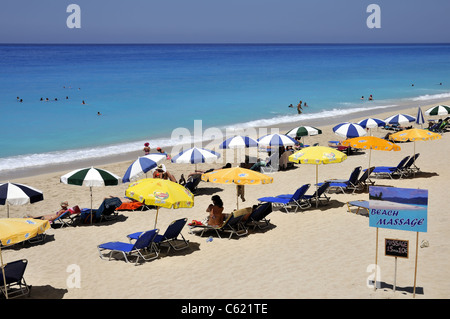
[146, 148]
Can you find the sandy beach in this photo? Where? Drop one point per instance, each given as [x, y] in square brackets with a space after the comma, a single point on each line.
[326, 252]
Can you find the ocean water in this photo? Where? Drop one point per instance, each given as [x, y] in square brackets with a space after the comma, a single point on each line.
[144, 92]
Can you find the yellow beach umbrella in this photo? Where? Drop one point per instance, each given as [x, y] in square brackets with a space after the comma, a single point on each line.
[238, 176]
[16, 230]
[160, 193]
[317, 155]
[371, 143]
[414, 135]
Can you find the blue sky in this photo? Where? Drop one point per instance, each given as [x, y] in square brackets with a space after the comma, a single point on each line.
[225, 21]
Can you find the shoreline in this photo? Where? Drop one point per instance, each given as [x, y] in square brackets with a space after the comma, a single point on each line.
[321, 122]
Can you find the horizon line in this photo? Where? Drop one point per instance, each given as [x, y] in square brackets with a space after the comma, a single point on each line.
[225, 43]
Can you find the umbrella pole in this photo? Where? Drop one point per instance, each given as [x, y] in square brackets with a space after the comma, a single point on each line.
[156, 218]
[237, 196]
[317, 186]
[3, 272]
[7, 210]
[368, 168]
[414, 159]
[91, 203]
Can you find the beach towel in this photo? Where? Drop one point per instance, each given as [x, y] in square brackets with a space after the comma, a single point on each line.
[130, 206]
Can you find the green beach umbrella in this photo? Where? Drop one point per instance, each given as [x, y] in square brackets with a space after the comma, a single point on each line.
[303, 131]
[90, 177]
[438, 110]
[300, 131]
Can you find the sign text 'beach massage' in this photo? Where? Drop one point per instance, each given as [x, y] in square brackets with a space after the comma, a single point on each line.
[398, 208]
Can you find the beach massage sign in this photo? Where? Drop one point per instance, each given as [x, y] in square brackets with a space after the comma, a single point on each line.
[398, 208]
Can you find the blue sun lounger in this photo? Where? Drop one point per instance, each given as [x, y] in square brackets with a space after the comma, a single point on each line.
[257, 218]
[319, 194]
[169, 237]
[15, 283]
[391, 171]
[364, 204]
[410, 166]
[344, 185]
[296, 200]
[232, 225]
[143, 244]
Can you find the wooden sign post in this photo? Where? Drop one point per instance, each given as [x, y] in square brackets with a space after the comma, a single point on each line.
[396, 248]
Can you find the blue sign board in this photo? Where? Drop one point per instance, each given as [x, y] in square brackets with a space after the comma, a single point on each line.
[398, 208]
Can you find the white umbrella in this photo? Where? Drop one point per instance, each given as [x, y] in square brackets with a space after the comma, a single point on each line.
[18, 194]
[90, 177]
[349, 130]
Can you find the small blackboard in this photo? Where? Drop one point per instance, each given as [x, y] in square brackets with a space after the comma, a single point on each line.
[396, 248]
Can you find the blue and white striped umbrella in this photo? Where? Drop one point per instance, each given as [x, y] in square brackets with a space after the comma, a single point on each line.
[419, 117]
[276, 140]
[349, 130]
[141, 166]
[400, 119]
[196, 155]
[18, 194]
[371, 123]
[238, 142]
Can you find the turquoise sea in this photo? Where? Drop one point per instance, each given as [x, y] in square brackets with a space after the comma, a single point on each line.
[143, 92]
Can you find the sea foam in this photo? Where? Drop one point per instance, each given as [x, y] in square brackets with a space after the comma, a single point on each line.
[67, 156]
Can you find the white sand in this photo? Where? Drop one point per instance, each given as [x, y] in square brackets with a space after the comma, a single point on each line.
[316, 253]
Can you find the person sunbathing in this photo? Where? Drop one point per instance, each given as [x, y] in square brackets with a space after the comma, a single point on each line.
[161, 172]
[64, 208]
